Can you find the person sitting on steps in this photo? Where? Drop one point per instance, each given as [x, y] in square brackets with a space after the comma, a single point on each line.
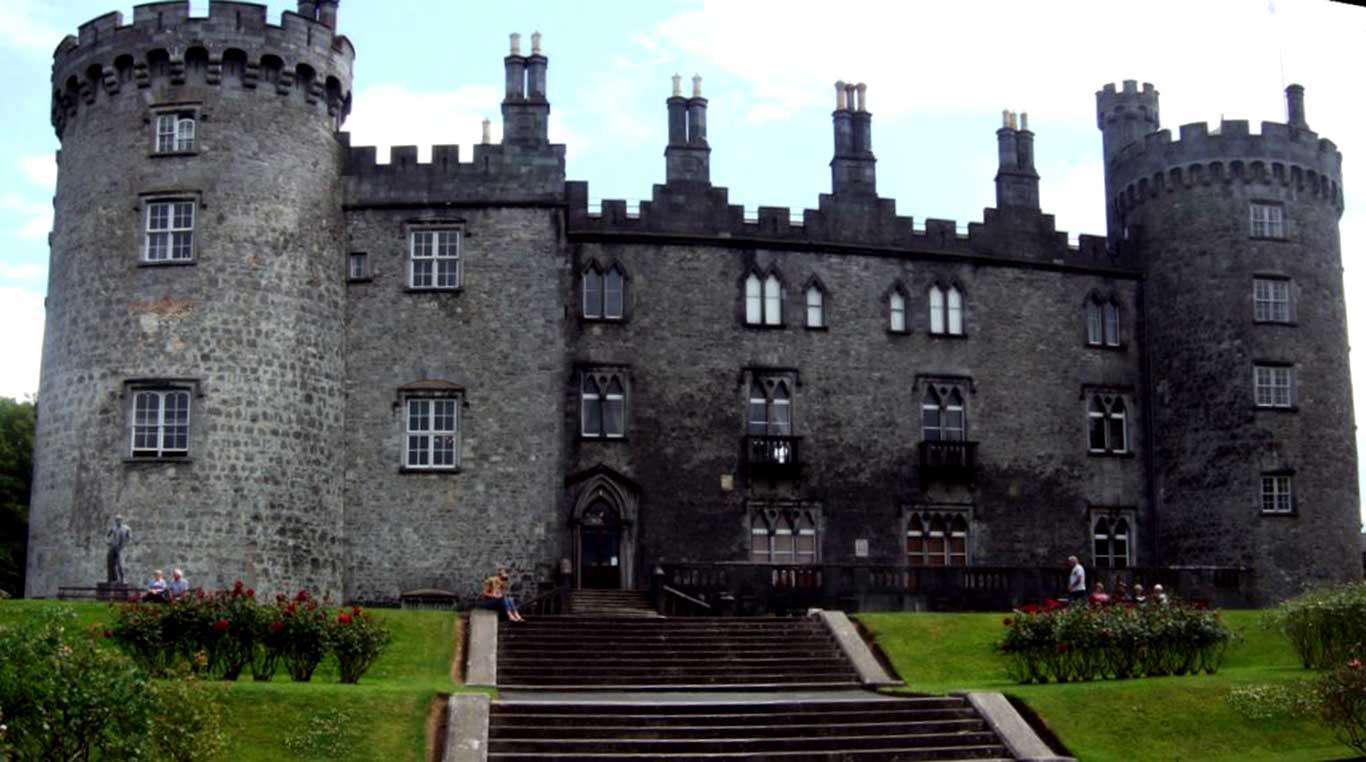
[497, 595]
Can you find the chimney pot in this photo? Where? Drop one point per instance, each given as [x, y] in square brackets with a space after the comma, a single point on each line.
[862, 96]
[1024, 120]
[515, 42]
[678, 86]
[535, 43]
[487, 133]
[841, 98]
[697, 85]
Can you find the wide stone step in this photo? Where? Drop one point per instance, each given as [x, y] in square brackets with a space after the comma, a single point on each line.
[685, 731]
[964, 754]
[721, 706]
[831, 670]
[740, 744]
[540, 721]
[786, 684]
[639, 624]
[724, 658]
[550, 638]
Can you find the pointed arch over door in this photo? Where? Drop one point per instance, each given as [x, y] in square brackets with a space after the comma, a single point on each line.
[603, 528]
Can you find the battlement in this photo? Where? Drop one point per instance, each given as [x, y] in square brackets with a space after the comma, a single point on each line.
[1282, 154]
[1007, 235]
[500, 173]
[235, 38]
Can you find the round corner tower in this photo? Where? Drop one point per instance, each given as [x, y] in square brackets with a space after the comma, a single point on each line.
[192, 376]
[1253, 448]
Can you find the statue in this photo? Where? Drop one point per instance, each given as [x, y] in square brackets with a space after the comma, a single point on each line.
[118, 536]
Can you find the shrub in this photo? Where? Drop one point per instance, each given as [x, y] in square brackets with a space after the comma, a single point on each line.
[1325, 626]
[357, 640]
[63, 696]
[304, 635]
[1070, 643]
[1342, 703]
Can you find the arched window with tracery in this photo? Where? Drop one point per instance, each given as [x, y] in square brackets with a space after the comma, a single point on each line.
[1112, 542]
[783, 536]
[604, 293]
[937, 539]
[763, 300]
[942, 416]
[1107, 419]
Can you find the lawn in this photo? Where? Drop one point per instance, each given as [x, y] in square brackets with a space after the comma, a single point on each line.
[383, 717]
[1164, 719]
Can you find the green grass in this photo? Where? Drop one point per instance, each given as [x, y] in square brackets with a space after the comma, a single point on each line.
[384, 715]
[1162, 719]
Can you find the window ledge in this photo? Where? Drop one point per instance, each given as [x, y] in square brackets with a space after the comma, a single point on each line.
[1280, 514]
[167, 263]
[364, 279]
[1108, 347]
[765, 326]
[170, 154]
[603, 320]
[1109, 454]
[818, 328]
[1280, 239]
[947, 335]
[602, 439]
[894, 332]
[1276, 408]
[429, 471]
[431, 290]
[1287, 323]
[159, 461]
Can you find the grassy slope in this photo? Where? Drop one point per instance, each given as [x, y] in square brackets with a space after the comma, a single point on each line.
[387, 708]
[1159, 719]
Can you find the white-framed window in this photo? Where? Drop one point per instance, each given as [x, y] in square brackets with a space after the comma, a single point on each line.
[1273, 385]
[169, 235]
[1107, 418]
[783, 535]
[175, 131]
[357, 266]
[815, 306]
[763, 300]
[1278, 494]
[602, 395]
[1271, 300]
[434, 259]
[941, 415]
[431, 433]
[896, 311]
[1112, 543]
[160, 423]
[946, 311]
[937, 539]
[1267, 220]
[1102, 322]
[604, 293]
[770, 407]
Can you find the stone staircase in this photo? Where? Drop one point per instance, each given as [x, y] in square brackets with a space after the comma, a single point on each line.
[642, 654]
[611, 603]
[863, 727]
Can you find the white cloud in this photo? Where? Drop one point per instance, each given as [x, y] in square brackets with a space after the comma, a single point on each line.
[36, 216]
[31, 271]
[22, 349]
[1074, 195]
[767, 112]
[41, 170]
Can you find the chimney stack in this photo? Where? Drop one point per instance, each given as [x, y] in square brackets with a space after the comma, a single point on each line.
[1017, 183]
[1294, 107]
[327, 13]
[853, 169]
[687, 158]
[526, 112]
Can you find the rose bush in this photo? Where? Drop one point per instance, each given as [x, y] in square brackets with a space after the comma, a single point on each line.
[1076, 643]
[357, 640]
[1326, 627]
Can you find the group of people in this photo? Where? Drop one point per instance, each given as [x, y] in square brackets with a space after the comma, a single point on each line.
[161, 590]
[1077, 591]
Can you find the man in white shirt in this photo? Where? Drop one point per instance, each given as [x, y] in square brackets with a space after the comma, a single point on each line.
[1076, 580]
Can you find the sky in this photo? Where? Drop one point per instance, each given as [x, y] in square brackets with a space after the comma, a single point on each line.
[938, 75]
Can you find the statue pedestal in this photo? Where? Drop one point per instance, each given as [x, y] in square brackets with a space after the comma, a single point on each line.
[115, 591]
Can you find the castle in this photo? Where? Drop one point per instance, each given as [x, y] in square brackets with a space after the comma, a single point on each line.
[285, 361]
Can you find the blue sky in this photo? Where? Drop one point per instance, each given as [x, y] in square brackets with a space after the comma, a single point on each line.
[938, 76]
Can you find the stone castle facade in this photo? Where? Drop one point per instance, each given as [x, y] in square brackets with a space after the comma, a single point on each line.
[284, 361]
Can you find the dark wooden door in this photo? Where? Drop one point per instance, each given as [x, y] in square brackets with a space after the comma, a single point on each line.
[600, 547]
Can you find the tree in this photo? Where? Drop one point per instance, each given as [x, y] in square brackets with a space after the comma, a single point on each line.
[16, 477]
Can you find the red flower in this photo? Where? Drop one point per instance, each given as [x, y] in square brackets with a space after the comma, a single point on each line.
[1062, 648]
[345, 618]
[251, 593]
[1031, 608]
[1049, 604]
[301, 596]
[277, 625]
[289, 610]
[220, 626]
[355, 610]
[237, 585]
[1007, 621]
[109, 633]
[1354, 664]
[199, 592]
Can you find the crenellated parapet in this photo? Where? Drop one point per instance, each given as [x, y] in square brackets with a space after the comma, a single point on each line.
[1006, 235]
[234, 43]
[500, 173]
[1281, 154]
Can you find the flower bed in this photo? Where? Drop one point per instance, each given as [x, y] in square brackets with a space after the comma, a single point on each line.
[1077, 643]
[223, 633]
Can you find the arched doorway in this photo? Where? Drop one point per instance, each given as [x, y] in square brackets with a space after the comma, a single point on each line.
[599, 546]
